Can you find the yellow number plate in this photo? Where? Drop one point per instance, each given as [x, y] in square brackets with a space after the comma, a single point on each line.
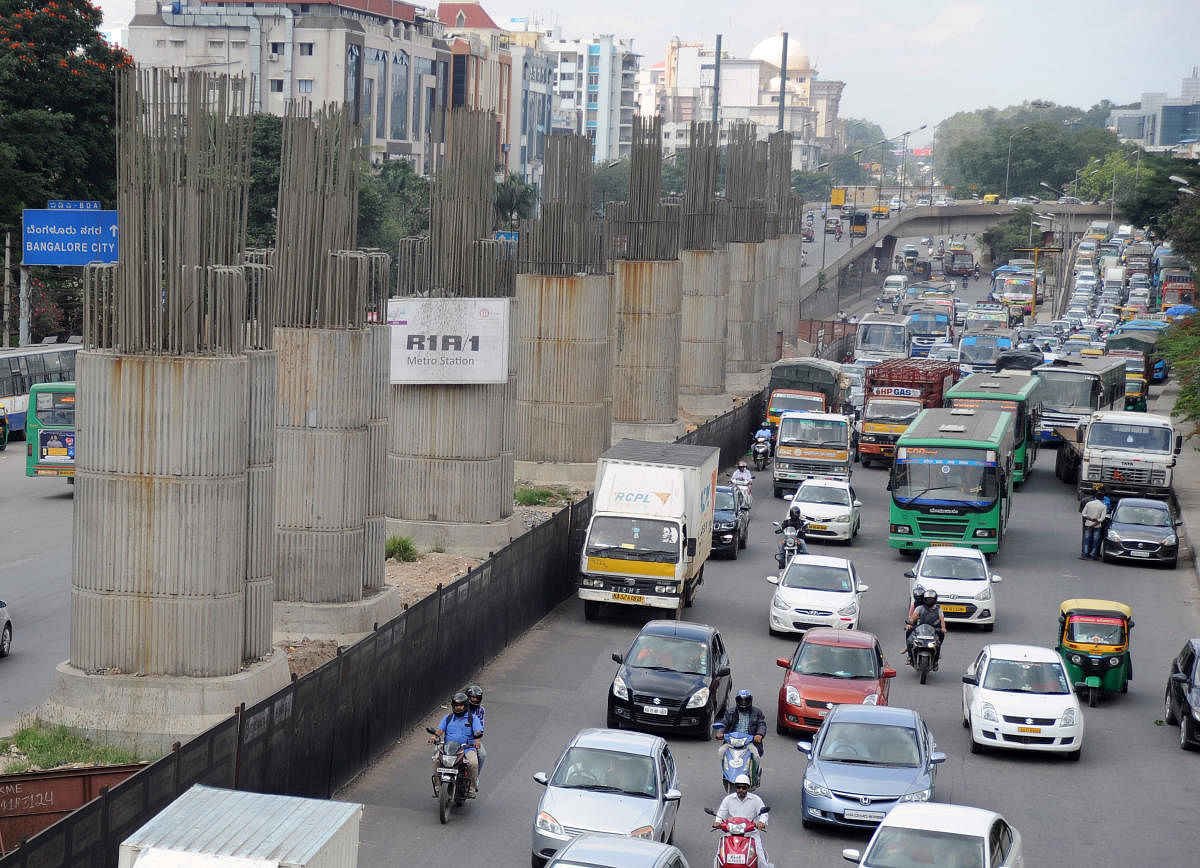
[941, 543]
[962, 610]
[629, 598]
[1029, 729]
[818, 527]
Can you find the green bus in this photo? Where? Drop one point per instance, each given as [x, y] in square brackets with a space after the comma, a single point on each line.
[50, 431]
[951, 480]
[1014, 392]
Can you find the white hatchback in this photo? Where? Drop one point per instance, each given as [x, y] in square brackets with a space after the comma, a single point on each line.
[1019, 697]
[928, 833]
[830, 508]
[815, 591]
[963, 583]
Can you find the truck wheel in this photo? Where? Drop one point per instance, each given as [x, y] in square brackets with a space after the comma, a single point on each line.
[778, 493]
[591, 610]
[864, 460]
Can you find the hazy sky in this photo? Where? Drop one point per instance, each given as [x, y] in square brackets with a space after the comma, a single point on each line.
[906, 64]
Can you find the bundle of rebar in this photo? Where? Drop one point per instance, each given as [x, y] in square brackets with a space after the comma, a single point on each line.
[564, 240]
[745, 185]
[459, 259]
[779, 180]
[320, 160]
[699, 229]
[182, 191]
[643, 228]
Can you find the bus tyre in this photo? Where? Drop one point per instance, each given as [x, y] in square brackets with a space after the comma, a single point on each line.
[591, 610]
[864, 460]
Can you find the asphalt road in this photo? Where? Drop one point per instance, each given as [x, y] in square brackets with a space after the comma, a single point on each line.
[1129, 800]
[35, 582]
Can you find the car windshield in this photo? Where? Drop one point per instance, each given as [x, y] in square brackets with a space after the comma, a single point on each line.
[817, 577]
[586, 768]
[1147, 516]
[884, 410]
[898, 847]
[638, 539]
[836, 661]
[827, 495]
[725, 500]
[1143, 438]
[947, 567]
[870, 743]
[1096, 630]
[670, 653]
[1022, 676]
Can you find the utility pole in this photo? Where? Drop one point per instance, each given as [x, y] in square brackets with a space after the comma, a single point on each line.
[23, 313]
[716, 112]
[783, 82]
[7, 281]
[1036, 251]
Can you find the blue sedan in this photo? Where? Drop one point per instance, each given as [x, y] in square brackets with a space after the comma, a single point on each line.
[865, 760]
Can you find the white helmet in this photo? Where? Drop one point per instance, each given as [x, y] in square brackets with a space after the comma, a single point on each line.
[741, 779]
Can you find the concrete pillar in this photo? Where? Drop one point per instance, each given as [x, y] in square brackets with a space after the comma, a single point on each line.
[649, 298]
[765, 300]
[321, 464]
[788, 309]
[740, 355]
[260, 502]
[564, 376]
[159, 557]
[378, 362]
[705, 323]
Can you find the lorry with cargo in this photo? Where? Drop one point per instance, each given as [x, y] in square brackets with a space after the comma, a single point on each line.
[895, 392]
[1125, 454]
[960, 262]
[782, 400]
[812, 446]
[651, 526]
[1139, 258]
[814, 376]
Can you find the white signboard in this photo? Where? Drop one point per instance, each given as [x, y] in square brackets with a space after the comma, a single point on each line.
[449, 340]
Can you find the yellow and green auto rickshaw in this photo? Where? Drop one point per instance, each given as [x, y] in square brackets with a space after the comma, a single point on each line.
[1136, 392]
[1093, 641]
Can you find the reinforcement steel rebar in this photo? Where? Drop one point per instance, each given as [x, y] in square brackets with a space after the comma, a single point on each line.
[565, 239]
[643, 228]
[779, 181]
[745, 185]
[699, 230]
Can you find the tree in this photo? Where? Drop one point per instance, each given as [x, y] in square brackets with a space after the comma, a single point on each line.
[844, 169]
[1180, 345]
[265, 156]
[610, 183]
[393, 203]
[515, 200]
[812, 186]
[1008, 234]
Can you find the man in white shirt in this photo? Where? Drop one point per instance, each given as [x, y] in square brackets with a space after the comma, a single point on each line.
[743, 803]
[1094, 513]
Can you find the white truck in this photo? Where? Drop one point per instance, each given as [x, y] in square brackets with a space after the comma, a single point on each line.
[1114, 279]
[810, 446]
[651, 526]
[1128, 454]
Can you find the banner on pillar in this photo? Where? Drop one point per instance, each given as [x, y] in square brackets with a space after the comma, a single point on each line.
[449, 340]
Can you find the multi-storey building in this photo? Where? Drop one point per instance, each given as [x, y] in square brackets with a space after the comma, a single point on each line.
[1161, 122]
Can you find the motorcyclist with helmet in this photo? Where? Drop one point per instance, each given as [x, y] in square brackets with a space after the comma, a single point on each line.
[475, 701]
[463, 726]
[918, 597]
[929, 612]
[745, 717]
[767, 433]
[795, 519]
[743, 479]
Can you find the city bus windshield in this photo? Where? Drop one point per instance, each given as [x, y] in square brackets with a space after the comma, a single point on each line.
[882, 336]
[1064, 390]
[947, 476]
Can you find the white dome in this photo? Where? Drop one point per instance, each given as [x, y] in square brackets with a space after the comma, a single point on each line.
[771, 49]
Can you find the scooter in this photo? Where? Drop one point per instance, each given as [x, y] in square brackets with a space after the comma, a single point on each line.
[761, 450]
[451, 777]
[737, 845]
[923, 649]
[740, 759]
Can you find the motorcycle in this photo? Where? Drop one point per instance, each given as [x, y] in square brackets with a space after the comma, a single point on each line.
[738, 846]
[761, 451]
[451, 778]
[740, 759]
[923, 649]
[837, 236]
[791, 546]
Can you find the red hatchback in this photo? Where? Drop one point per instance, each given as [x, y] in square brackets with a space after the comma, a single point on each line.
[830, 667]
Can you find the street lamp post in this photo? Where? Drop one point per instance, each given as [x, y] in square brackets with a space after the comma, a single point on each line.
[904, 158]
[856, 155]
[1008, 164]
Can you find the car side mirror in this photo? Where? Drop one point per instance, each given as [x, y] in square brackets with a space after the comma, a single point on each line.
[723, 672]
[889, 673]
[673, 795]
[1178, 443]
[862, 589]
[691, 547]
[805, 747]
[540, 778]
[858, 504]
[1179, 677]
[969, 679]
[909, 574]
[782, 662]
[789, 495]
[773, 579]
[852, 855]
[937, 757]
[996, 578]
[618, 658]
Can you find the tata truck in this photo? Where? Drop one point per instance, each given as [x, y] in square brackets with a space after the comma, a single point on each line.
[812, 446]
[651, 526]
[896, 391]
[1126, 454]
[813, 376]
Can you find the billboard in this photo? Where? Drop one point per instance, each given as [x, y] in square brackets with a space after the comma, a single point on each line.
[449, 341]
[837, 197]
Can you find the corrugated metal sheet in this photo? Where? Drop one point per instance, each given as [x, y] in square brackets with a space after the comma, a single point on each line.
[319, 566]
[321, 382]
[447, 422]
[378, 426]
[320, 479]
[788, 309]
[766, 299]
[374, 549]
[437, 489]
[260, 503]
[743, 333]
[290, 831]
[260, 595]
[263, 369]
[646, 360]
[260, 522]
[704, 315]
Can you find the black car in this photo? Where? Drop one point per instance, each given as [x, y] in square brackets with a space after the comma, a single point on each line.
[1142, 530]
[675, 675]
[1182, 699]
[731, 521]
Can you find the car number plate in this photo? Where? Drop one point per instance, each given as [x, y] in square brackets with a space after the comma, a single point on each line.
[818, 527]
[1029, 729]
[936, 543]
[628, 598]
[1140, 554]
[962, 610]
[735, 858]
[654, 709]
[864, 815]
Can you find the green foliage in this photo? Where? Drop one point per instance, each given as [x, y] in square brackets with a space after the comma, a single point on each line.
[393, 203]
[844, 169]
[400, 548]
[265, 154]
[1008, 234]
[47, 747]
[533, 496]
[515, 200]
[610, 183]
[1181, 346]
[812, 186]
[674, 174]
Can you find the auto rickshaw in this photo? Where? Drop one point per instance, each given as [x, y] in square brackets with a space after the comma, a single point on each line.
[1136, 392]
[1093, 641]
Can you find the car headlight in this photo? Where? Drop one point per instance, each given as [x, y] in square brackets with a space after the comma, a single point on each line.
[1113, 536]
[814, 789]
[918, 796]
[985, 532]
[726, 525]
[1196, 714]
[1170, 539]
[841, 519]
[1077, 659]
[871, 699]
[901, 529]
[699, 698]
[1068, 718]
[988, 712]
[1114, 661]
[985, 594]
[620, 688]
[849, 610]
[547, 824]
[642, 832]
[1093, 473]
[777, 602]
[791, 695]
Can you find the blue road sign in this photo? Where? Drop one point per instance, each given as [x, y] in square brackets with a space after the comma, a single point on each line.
[72, 205]
[69, 237]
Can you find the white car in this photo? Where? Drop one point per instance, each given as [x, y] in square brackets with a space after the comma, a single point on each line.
[928, 833]
[1019, 697]
[830, 507]
[815, 591]
[963, 583]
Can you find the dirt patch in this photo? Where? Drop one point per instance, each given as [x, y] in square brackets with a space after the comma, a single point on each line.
[415, 580]
[308, 654]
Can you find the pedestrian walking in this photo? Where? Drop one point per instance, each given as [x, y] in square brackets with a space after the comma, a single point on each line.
[1094, 513]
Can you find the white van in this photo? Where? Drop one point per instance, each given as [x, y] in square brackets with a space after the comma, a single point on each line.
[894, 285]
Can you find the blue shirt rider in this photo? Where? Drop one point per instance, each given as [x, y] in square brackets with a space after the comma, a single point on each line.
[764, 430]
[463, 726]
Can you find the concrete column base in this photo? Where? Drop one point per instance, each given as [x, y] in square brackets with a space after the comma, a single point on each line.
[473, 539]
[574, 473]
[147, 714]
[696, 405]
[655, 432]
[747, 384]
[346, 622]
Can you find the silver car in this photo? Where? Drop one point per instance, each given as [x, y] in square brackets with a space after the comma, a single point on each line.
[613, 851]
[6, 630]
[608, 781]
